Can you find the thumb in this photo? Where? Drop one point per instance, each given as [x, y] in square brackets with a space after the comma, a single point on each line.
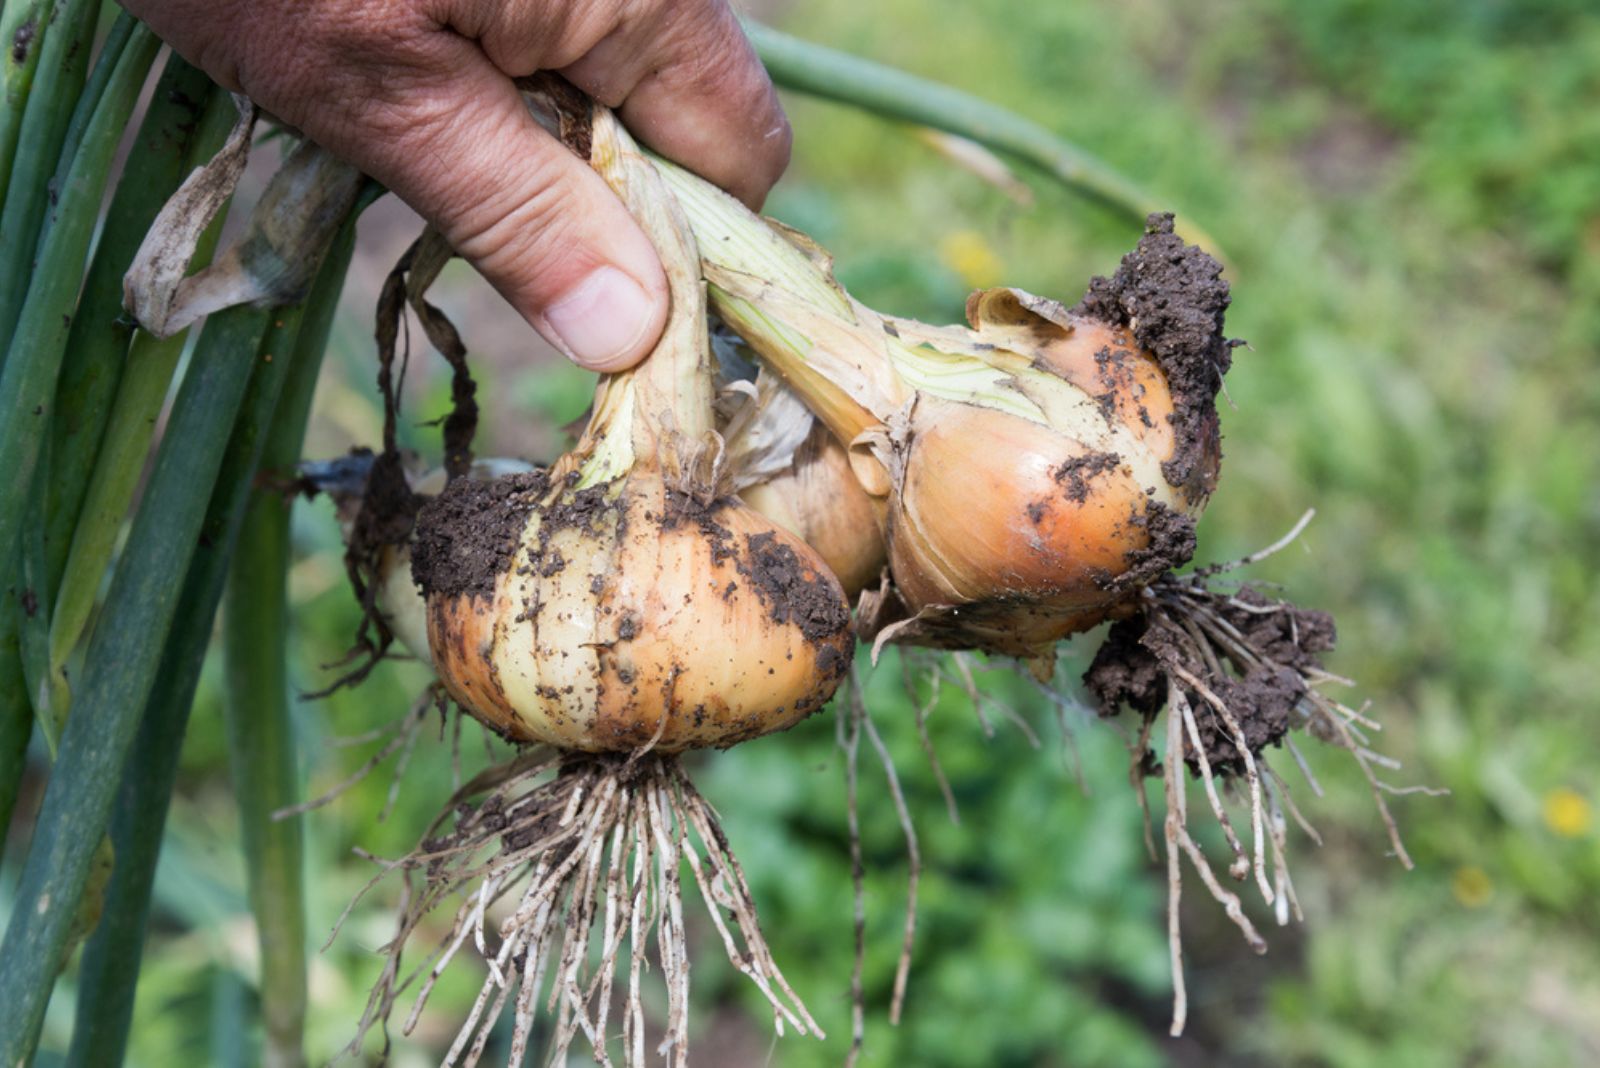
[539, 224]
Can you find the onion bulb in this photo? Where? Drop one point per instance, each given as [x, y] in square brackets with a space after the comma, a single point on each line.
[818, 499]
[787, 466]
[627, 599]
[1037, 467]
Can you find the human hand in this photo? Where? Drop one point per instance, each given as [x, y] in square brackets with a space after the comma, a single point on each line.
[419, 94]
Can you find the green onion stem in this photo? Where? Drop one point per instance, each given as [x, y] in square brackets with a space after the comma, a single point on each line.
[57, 82]
[170, 142]
[16, 711]
[261, 743]
[94, 89]
[120, 671]
[28, 379]
[110, 967]
[22, 24]
[823, 72]
[122, 451]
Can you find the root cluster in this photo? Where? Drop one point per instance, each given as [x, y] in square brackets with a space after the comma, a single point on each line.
[565, 866]
[1236, 672]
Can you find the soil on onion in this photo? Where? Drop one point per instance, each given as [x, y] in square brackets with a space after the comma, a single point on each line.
[467, 536]
[793, 593]
[1074, 475]
[1170, 544]
[1172, 296]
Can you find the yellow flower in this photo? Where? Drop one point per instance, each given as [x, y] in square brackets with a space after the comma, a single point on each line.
[969, 255]
[1567, 812]
[1471, 886]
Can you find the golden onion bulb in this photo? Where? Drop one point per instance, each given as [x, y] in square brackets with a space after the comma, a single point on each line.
[1011, 530]
[818, 499]
[1039, 467]
[625, 615]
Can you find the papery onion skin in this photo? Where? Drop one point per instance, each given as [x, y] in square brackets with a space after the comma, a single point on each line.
[819, 501]
[1041, 522]
[630, 616]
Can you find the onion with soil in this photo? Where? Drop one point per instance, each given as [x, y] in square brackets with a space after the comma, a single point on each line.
[614, 611]
[1039, 466]
[1041, 472]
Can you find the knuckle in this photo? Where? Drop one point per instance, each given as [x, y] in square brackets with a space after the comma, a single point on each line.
[778, 147]
[526, 35]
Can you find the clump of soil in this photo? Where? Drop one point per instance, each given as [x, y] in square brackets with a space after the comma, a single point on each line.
[1141, 654]
[467, 536]
[1171, 544]
[1291, 636]
[1125, 672]
[1074, 475]
[1172, 296]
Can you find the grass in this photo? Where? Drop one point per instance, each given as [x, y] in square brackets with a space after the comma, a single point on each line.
[1408, 205]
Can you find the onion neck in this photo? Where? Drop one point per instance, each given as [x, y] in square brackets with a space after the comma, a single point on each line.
[852, 366]
[656, 413]
[782, 299]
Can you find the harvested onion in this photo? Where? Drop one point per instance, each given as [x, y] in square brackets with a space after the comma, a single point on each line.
[607, 616]
[619, 608]
[1039, 467]
[626, 600]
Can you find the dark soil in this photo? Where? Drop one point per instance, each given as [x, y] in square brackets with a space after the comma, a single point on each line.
[22, 40]
[794, 593]
[1132, 667]
[1125, 672]
[1074, 475]
[467, 536]
[1171, 545]
[1290, 636]
[687, 508]
[1172, 297]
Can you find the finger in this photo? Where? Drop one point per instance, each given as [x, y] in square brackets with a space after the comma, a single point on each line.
[463, 151]
[686, 82]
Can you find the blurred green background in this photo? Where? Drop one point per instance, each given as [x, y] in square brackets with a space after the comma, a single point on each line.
[1408, 195]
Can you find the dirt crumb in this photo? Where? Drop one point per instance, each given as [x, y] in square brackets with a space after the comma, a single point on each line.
[1171, 544]
[1172, 296]
[21, 40]
[1074, 475]
[831, 662]
[467, 536]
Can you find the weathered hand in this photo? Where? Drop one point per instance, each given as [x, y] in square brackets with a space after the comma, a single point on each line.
[419, 94]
